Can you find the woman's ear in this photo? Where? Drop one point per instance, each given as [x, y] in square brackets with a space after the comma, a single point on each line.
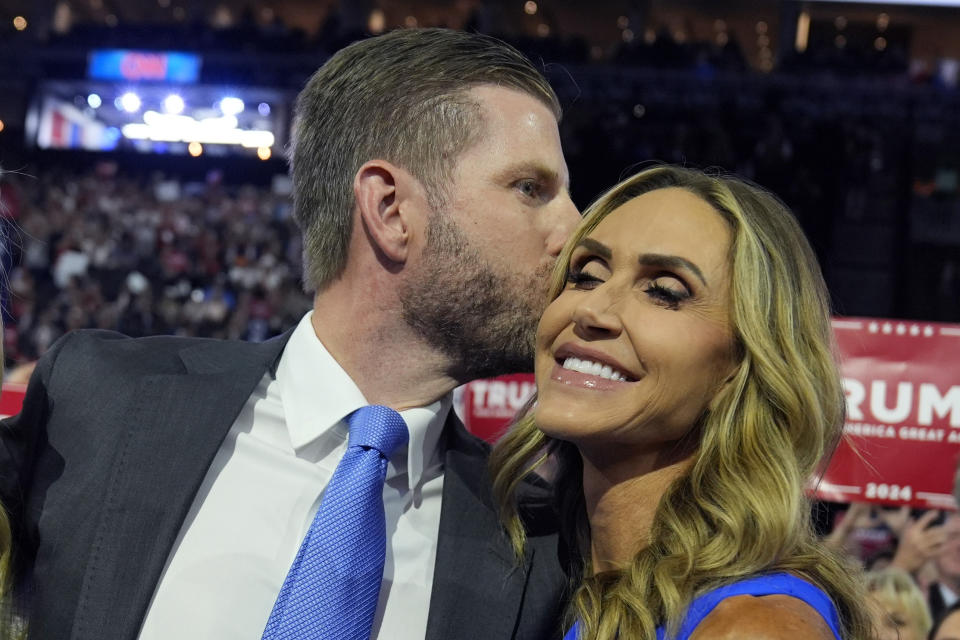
[377, 189]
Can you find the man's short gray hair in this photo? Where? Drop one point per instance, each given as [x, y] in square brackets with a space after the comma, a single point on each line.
[400, 97]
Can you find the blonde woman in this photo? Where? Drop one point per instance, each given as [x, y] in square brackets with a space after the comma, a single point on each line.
[901, 610]
[687, 390]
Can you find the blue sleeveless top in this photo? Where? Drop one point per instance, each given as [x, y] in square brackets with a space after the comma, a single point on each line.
[765, 585]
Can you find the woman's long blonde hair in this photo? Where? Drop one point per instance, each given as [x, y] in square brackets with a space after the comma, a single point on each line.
[741, 508]
[6, 607]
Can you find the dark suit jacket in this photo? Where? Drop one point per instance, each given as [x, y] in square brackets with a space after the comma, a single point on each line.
[938, 607]
[100, 468]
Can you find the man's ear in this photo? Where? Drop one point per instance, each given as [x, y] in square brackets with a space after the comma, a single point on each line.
[380, 189]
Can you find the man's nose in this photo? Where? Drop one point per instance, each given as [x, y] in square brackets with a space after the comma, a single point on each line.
[565, 221]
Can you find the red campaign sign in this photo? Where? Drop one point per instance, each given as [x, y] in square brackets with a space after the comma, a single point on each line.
[11, 399]
[902, 434]
[489, 405]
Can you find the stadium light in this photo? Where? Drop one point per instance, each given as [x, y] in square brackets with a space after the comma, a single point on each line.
[231, 106]
[94, 101]
[173, 104]
[130, 102]
[161, 127]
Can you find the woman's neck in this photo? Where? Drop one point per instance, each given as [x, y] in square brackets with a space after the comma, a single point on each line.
[621, 499]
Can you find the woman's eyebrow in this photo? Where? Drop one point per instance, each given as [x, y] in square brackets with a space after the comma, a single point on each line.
[596, 247]
[646, 259]
[671, 262]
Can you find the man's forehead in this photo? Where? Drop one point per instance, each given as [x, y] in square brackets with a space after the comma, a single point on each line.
[518, 134]
[500, 105]
[492, 92]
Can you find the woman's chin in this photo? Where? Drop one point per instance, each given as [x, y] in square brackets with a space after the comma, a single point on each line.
[562, 423]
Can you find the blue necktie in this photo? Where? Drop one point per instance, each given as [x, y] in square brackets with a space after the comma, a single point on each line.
[331, 590]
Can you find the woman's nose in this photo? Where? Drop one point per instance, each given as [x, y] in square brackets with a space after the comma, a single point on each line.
[596, 313]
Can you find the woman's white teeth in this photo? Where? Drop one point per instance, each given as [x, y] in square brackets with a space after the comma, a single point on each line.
[593, 368]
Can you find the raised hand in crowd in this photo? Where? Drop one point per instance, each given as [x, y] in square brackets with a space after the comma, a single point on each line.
[845, 524]
[897, 520]
[920, 542]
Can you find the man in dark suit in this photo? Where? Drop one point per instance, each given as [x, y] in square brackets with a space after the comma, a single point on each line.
[161, 487]
[944, 593]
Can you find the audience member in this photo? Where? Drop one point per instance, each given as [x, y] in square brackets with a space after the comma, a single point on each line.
[948, 626]
[901, 610]
[945, 591]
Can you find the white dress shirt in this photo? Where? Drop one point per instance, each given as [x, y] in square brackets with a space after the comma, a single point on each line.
[949, 596]
[263, 489]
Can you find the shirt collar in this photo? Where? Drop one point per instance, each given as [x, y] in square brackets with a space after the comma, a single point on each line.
[318, 395]
[948, 594]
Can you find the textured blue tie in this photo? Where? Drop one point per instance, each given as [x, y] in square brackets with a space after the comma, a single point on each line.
[331, 590]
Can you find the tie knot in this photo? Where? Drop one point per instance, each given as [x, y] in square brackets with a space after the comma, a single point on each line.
[378, 427]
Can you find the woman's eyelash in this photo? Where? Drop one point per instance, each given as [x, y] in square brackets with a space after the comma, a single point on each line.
[671, 297]
[578, 277]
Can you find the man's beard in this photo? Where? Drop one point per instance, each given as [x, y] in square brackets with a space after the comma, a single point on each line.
[483, 320]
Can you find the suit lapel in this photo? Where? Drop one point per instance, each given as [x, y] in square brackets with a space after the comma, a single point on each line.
[478, 585]
[173, 432]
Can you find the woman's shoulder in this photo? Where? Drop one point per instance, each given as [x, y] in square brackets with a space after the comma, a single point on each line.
[768, 617]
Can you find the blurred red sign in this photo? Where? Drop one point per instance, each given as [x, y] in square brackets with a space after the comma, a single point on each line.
[490, 405]
[11, 399]
[902, 435]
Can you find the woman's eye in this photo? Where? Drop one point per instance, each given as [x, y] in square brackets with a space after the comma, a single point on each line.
[670, 296]
[582, 280]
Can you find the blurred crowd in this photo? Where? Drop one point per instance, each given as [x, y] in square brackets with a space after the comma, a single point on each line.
[145, 256]
[114, 245]
[912, 558]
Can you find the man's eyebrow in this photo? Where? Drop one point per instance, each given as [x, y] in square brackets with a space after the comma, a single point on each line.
[541, 171]
[671, 262]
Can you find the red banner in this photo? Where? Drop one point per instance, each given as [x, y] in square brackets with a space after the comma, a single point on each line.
[902, 435]
[11, 399]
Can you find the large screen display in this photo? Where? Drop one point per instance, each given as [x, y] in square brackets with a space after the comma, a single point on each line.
[140, 66]
[158, 117]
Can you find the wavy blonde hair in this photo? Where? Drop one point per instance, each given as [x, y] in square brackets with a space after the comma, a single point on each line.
[740, 510]
[5, 605]
[892, 586]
